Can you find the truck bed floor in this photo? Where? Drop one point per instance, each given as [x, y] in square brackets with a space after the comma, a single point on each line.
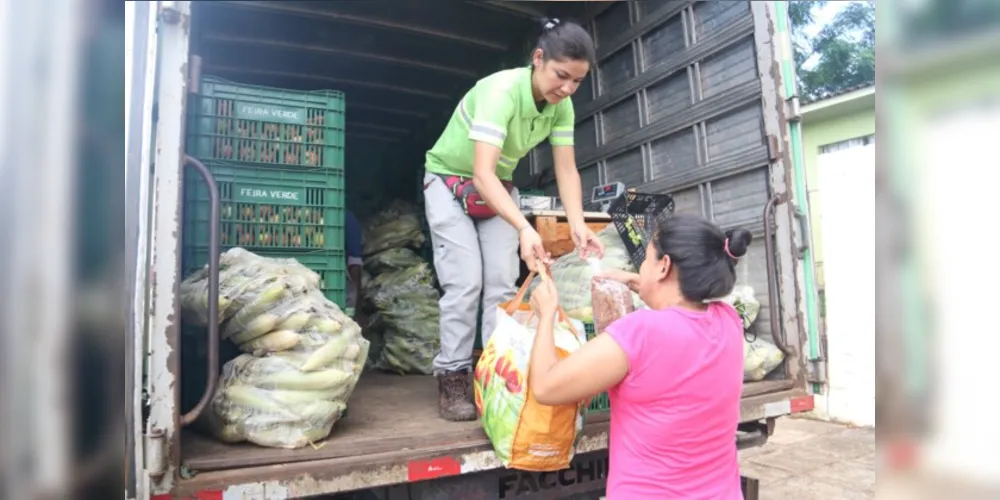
[385, 413]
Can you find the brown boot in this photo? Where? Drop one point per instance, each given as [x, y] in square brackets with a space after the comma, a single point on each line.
[454, 399]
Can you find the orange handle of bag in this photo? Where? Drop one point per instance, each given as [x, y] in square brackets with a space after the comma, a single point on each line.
[519, 298]
[521, 292]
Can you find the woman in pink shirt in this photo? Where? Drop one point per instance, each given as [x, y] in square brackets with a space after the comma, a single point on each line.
[674, 371]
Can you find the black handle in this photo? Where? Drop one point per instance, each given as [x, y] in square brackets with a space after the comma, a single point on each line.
[213, 293]
[772, 276]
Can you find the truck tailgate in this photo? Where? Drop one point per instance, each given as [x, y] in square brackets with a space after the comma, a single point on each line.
[393, 434]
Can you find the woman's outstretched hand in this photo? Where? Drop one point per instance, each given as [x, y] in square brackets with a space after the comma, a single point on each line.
[586, 241]
[629, 279]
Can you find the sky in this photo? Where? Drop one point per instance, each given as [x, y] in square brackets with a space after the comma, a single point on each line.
[824, 15]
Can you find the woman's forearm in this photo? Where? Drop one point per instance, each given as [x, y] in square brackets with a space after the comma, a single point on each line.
[543, 355]
[571, 194]
[499, 199]
[568, 181]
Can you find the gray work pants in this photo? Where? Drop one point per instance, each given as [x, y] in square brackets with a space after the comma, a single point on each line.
[473, 260]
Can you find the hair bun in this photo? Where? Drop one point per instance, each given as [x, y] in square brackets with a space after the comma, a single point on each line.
[549, 23]
[739, 240]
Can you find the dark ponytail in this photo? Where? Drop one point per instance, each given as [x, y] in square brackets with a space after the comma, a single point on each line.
[704, 257]
[565, 40]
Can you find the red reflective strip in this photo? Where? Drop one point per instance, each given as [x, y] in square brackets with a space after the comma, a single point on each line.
[805, 403]
[900, 454]
[201, 495]
[421, 470]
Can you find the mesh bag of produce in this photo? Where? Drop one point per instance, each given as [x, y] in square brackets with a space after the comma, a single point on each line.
[392, 211]
[760, 357]
[408, 306]
[303, 354]
[406, 324]
[392, 259]
[401, 232]
[746, 304]
[572, 275]
[383, 288]
[398, 225]
[375, 333]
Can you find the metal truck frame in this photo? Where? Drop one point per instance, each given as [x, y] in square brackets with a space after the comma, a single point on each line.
[159, 49]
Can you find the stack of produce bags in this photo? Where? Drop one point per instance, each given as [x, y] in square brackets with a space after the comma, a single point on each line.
[303, 355]
[402, 290]
[395, 226]
[760, 357]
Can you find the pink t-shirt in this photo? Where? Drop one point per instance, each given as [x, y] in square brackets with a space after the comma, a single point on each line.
[674, 416]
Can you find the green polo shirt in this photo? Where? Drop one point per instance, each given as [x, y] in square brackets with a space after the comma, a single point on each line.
[500, 110]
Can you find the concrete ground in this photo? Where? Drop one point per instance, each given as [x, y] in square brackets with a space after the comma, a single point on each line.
[808, 459]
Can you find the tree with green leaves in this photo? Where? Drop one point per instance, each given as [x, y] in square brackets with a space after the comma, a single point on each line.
[841, 55]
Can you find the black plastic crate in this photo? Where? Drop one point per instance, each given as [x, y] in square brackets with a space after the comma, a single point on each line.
[635, 215]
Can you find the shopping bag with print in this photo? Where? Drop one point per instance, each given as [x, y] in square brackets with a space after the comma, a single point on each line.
[525, 434]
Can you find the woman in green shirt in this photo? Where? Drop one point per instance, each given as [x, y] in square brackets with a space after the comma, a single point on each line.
[476, 226]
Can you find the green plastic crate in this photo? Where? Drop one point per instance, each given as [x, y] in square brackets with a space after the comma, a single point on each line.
[251, 124]
[601, 402]
[267, 209]
[330, 265]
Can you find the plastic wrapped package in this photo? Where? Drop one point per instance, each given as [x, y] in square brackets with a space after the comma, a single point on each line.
[303, 354]
[612, 300]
